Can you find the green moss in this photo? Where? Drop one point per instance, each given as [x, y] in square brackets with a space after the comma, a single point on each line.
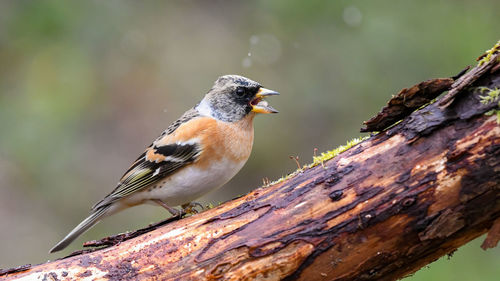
[491, 96]
[317, 160]
[489, 53]
[325, 156]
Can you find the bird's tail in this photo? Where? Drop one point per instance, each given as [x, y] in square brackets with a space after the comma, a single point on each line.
[81, 228]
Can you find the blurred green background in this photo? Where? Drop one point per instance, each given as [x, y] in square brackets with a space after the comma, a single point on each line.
[86, 85]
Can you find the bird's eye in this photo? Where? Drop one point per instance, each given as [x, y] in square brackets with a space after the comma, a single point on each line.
[240, 92]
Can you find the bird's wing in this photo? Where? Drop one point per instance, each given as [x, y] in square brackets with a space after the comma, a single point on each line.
[158, 161]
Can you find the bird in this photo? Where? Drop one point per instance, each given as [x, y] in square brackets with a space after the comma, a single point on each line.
[196, 154]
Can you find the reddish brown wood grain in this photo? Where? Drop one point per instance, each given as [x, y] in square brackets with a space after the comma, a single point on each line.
[378, 211]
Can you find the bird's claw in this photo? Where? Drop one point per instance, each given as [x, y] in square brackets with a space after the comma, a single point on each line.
[190, 208]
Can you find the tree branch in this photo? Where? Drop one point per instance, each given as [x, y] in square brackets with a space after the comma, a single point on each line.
[379, 211]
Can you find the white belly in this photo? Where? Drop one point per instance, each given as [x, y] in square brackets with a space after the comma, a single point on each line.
[189, 183]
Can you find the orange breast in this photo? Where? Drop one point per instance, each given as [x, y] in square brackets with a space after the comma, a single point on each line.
[218, 139]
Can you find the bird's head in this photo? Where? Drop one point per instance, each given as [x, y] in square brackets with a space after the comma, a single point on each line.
[234, 97]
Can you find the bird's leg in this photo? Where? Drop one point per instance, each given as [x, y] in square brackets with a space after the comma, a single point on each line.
[190, 208]
[171, 210]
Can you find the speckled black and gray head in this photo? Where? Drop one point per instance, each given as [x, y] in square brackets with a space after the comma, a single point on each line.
[233, 97]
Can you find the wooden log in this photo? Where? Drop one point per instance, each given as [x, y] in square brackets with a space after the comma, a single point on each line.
[379, 211]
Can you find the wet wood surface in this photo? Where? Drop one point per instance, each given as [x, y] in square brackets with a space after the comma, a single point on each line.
[379, 211]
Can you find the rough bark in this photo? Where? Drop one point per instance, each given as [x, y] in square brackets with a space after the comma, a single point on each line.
[379, 211]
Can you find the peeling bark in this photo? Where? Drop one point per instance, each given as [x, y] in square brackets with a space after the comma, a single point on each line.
[407, 101]
[493, 237]
[379, 211]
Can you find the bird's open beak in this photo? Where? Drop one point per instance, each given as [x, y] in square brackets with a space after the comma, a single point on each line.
[259, 105]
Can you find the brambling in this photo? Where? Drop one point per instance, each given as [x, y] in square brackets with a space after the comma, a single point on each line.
[198, 153]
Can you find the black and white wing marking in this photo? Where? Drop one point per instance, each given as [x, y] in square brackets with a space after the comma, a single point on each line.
[153, 165]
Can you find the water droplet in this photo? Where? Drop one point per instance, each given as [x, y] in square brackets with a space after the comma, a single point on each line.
[247, 62]
[265, 48]
[254, 39]
[352, 16]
